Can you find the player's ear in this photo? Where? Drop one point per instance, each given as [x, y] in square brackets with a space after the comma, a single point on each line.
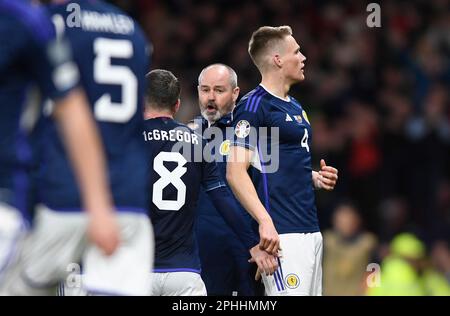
[277, 60]
[235, 94]
[176, 107]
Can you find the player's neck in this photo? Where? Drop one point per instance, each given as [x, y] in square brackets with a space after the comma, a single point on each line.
[276, 86]
[149, 114]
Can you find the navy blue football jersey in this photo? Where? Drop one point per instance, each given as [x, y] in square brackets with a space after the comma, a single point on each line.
[29, 57]
[279, 134]
[113, 57]
[176, 177]
[178, 167]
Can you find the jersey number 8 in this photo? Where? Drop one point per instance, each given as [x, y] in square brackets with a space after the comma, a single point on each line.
[169, 177]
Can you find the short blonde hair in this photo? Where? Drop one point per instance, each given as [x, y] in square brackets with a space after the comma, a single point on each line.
[264, 38]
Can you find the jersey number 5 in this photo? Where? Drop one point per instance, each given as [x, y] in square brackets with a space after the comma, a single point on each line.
[169, 177]
[105, 73]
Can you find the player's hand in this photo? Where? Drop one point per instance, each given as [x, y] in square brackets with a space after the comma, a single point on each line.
[266, 262]
[326, 178]
[269, 239]
[103, 231]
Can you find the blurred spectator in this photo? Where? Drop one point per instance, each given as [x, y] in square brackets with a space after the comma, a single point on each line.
[401, 269]
[394, 216]
[348, 250]
[407, 272]
[437, 276]
[364, 159]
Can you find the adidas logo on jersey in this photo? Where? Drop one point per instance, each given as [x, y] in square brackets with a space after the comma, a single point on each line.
[288, 118]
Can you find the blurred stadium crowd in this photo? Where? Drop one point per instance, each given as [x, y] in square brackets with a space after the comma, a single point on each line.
[378, 99]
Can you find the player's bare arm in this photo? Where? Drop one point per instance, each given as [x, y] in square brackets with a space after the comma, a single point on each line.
[82, 141]
[245, 192]
[326, 178]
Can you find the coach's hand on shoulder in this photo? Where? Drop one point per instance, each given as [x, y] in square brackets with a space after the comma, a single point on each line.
[103, 231]
[326, 178]
[266, 262]
[269, 239]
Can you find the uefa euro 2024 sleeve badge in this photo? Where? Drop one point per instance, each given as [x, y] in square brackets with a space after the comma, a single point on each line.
[242, 129]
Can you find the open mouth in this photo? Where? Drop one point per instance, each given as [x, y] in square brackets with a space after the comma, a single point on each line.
[211, 108]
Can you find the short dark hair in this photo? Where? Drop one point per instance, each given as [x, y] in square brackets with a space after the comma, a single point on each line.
[163, 89]
[263, 38]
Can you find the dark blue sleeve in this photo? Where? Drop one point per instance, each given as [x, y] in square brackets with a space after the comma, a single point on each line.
[50, 60]
[228, 208]
[211, 178]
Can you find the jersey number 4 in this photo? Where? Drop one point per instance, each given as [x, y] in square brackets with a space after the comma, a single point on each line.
[106, 73]
[169, 177]
[304, 141]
